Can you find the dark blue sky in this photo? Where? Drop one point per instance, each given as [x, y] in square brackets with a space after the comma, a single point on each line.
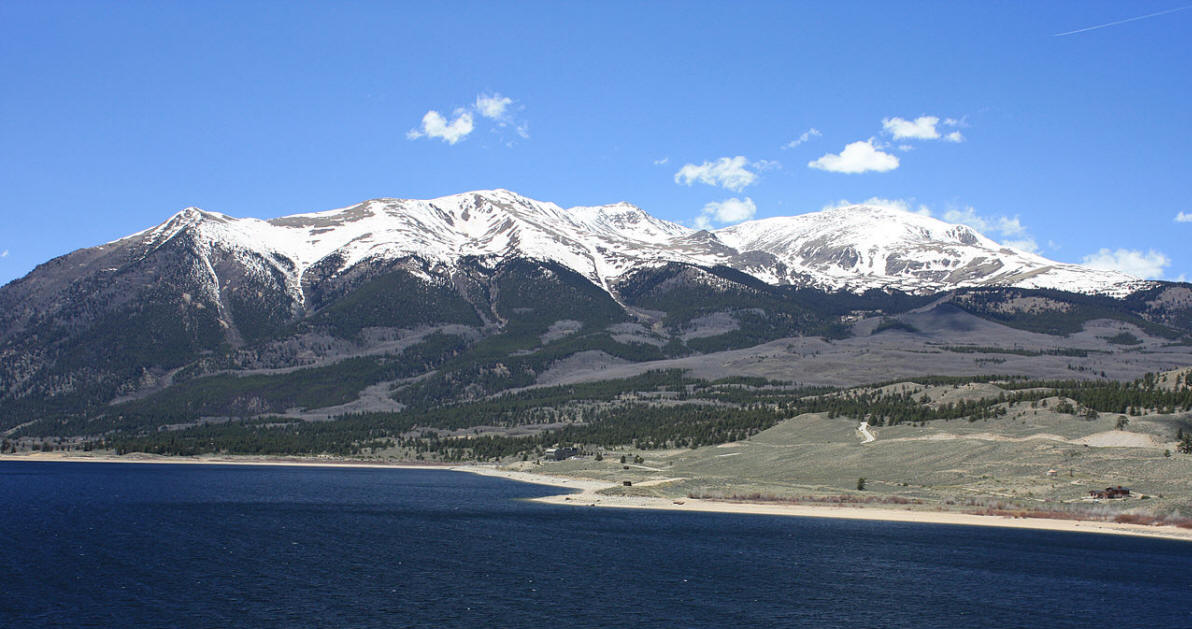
[113, 115]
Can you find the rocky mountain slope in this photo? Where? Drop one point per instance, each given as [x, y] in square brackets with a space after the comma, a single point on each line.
[426, 302]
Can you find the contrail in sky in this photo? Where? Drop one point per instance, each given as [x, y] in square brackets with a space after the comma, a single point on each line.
[1141, 17]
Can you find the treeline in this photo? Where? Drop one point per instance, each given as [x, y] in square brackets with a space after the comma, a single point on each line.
[255, 395]
[397, 299]
[1133, 398]
[891, 408]
[1108, 396]
[547, 404]
[1099, 396]
[274, 436]
[502, 362]
[764, 312]
[1069, 318]
[657, 409]
[643, 426]
[637, 425]
[975, 349]
[606, 412]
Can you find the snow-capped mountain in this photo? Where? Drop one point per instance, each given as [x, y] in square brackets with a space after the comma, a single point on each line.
[850, 248]
[860, 247]
[205, 293]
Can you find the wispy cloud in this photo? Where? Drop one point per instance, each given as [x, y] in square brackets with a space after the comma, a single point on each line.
[904, 205]
[1183, 217]
[1147, 265]
[732, 210]
[1003, 225]
[1131, 19]
[4, 254]
[803, 138]
[921, 128]
[858, 157]
[493, 107]
[434, 125]
[1022, 244]
[661, 162]
[727, 172]
[1007, 230]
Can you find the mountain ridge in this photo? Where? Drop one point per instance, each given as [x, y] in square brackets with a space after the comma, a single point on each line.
[501, 287]
[854, 248]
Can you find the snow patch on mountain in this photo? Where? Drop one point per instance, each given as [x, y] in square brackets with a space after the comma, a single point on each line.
[851, 248]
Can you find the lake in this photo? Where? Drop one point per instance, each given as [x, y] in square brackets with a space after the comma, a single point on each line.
[147, 545]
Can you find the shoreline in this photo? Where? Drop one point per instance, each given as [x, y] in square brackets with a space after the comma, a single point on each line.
[264, 461]
[586, 495]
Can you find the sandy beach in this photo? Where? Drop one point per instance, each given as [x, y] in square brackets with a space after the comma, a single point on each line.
[588, 496]
[585, 493]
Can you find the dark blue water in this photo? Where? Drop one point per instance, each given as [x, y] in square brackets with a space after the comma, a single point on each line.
[112, 545]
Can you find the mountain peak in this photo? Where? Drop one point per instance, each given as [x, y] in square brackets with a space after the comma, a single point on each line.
[863, 246]
[627, 221]
[853, 247]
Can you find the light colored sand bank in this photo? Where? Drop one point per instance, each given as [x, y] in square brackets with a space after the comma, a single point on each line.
[588, 496]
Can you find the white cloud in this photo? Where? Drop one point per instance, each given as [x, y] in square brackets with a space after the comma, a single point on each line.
[4, 254]
[434, 125]
[1009, 230]
[492, 105]
[857, 157]
[905, 147]
[968, 216]
[661, 162]
[763, 165]
[1025, 244]
[803, 137]
[1149, 265]
[727, 172]
[732, 210]
[1009, 226]
[921, 128]
[1183, 217]
[890, 204]
[1003, 225]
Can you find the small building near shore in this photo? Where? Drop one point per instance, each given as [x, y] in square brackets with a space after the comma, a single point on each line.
[560, 454]
[1110, 493]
